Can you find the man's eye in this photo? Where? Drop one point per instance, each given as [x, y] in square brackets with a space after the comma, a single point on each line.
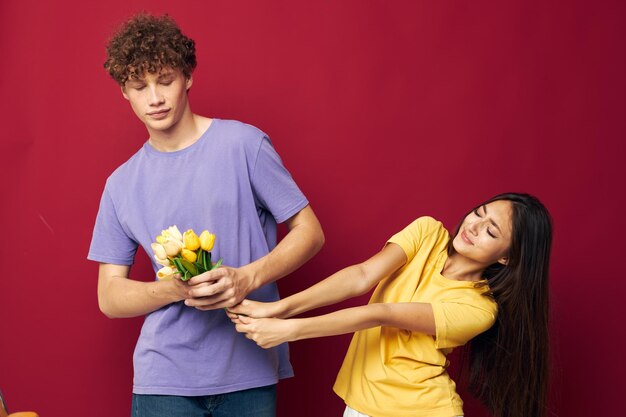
[138, 87]
[477, 213]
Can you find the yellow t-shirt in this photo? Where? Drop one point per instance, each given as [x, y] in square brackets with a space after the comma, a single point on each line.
[399, 373]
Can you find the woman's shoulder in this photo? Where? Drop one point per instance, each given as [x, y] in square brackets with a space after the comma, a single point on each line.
[423, 232]
[427, 225]
[430, 222]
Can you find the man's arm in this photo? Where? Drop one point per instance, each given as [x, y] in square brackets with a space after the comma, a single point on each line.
[226, 286]
[119, 296]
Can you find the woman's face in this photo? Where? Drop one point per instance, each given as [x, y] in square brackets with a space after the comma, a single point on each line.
[485, 235]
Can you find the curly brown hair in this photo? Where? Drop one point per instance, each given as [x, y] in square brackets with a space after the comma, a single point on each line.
[147, 43]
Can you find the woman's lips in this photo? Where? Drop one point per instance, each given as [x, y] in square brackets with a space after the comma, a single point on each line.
[465, 238]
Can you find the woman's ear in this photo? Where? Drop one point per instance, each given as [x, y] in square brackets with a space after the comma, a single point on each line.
[504, 260]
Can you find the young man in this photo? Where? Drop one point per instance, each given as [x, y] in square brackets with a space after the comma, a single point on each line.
[197, 173]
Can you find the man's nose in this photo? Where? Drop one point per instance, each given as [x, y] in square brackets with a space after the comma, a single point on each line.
[155, 98]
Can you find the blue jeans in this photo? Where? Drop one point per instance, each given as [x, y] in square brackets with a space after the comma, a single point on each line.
[255, 402]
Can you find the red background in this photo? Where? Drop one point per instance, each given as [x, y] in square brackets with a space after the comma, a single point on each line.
[382, 110]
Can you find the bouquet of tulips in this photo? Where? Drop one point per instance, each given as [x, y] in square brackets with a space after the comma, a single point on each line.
[186, 254]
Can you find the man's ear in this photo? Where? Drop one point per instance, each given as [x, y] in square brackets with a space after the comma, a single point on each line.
[189, 82]
[123, 88]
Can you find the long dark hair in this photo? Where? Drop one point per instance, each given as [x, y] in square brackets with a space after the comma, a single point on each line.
[506, 367]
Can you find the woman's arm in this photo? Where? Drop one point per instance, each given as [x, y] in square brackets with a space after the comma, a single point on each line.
[269, 332]
[347, 283]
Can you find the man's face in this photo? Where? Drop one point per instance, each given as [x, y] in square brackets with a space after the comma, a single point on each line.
[159, 99]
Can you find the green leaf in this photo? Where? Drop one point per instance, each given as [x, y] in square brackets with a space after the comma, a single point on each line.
[179, 266]
[218, 264]
[200, 253]
[201, 269]
[205, 256]
[191, 268]
[186, 276]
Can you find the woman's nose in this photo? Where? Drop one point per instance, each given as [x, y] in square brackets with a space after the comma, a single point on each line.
[473, 227]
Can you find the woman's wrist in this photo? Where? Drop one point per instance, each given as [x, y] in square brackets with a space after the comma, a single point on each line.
[296, 328]
[282, 309]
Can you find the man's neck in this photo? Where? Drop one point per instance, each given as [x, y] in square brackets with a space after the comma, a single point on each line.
[180, 136]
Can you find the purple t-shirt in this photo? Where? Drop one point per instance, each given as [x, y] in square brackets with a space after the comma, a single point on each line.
[233, 183]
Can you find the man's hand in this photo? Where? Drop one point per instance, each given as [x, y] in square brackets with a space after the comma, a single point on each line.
[219, 288]
[226, 287]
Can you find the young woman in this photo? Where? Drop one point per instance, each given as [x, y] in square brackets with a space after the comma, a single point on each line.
[486, 285]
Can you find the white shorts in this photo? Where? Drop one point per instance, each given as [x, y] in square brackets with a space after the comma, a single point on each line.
[350, 412]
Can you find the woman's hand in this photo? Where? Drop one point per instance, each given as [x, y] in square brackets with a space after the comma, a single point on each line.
[266, 332]
[255, 309]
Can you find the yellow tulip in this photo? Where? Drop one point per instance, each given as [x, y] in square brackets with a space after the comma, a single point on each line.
[189, 255]
[191, 240]
[172, 247]
[207, 240]
[165, 273]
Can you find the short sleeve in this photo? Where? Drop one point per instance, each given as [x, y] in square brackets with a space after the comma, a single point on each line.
[274, 188]
[408, 239]
[411, 237]
[109, 243]
[457, 323]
